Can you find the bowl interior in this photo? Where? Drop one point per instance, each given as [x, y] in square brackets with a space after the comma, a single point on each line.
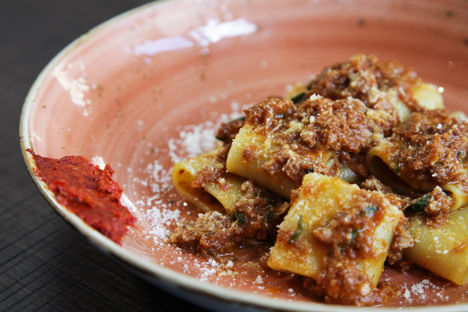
[148, 89]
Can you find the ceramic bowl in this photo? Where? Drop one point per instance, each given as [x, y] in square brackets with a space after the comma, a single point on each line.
[148, 87]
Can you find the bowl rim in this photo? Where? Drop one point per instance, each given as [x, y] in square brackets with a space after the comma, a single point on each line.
[185, 282]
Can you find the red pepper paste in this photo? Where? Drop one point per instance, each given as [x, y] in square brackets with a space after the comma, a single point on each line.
[87, 191]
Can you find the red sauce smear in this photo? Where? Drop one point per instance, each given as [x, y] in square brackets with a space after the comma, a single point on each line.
[87, 191]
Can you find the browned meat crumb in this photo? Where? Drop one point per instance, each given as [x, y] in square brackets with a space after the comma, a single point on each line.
[258, 212]
[401, 240]
[438, 207]
[228, 130]
[223, 153]
[374, 184]
[269, 112]
[432, 147]
[348, 235]
[211, 232]
[340, 278]
[295, 166]
[376, 83]
[349, 232]
[337, 129]
[207, 175]
[255, 218]
[337, 125]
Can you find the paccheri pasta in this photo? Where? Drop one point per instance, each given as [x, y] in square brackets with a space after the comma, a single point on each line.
[359, 167]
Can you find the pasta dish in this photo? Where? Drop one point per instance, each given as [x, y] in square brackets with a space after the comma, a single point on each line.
[360, 167]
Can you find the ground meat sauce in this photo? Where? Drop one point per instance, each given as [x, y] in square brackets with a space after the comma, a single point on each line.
[435, 205]
[316, 123]
[349, 236]
[316, 135]
[228, 130]
[376, 83]
[210, 234]
[438, 207]
[431, 148]
[340, 125]
[209, 175]
[338, 281]
[254, 220]
[87, 191]
[374, 184]
[348, 232]
[343, 113]
[259, 211]
[401, 240]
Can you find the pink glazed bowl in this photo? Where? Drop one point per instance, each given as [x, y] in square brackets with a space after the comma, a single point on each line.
[148, 87]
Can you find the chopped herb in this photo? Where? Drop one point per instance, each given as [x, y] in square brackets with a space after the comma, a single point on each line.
[298, 231]
[270, 215]
[418, 205]
[234, 216]
[354, 233]
[240, 217]
[240, 118]
[370, 210]
[171, 202]
[309, 170]
[462, 155]
[398, 168]
[219, 138]
[298, 97]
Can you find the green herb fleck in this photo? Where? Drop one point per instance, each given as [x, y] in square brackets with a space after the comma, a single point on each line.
[309, 170]
[419, 205]
[298, 231]
[354, 234]
[370, 210]
[270, 215]
[398, 168]
[240, 118]
[240, 217]
[219, 138]
[298, 97]
[462, 155]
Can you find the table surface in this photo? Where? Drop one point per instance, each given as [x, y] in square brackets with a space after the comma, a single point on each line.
[45, 264]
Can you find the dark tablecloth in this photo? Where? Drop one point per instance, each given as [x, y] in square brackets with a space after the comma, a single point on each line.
[45, 264]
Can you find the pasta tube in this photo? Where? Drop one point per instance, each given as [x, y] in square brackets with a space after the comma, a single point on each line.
[442, 250]
[316, 227]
